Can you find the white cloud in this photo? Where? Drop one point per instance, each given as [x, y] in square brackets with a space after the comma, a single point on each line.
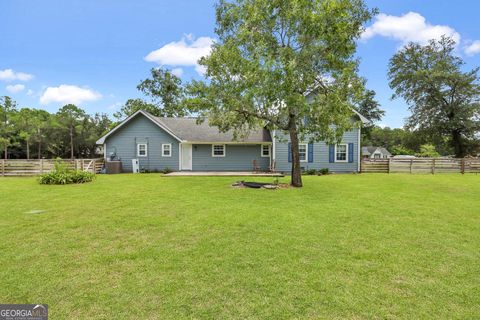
[15, 88]
[201, 70]
[177, 71]
[68, 94]
[10, 75]
[409, 27]
[473, 48]
[30, 92]
[114, 106]
[185, 52]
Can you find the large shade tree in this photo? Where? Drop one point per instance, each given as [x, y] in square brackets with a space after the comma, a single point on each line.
[443, 98]
[269, 55]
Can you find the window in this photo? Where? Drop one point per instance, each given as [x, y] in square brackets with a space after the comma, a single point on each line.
[166, 150]
[302, 151]
[341, 153]
[377, 156]
[218, 150]
[265, 150]
[141, 150]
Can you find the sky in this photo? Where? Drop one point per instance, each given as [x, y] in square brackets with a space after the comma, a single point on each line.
[93, 53]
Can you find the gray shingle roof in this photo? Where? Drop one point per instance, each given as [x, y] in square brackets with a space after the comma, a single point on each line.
[366, 151]
[187, 129]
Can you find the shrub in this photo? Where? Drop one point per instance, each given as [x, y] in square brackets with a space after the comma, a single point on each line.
[62, 175]
[67, 177]
[310, 172]
[323, 171]
[166, 170]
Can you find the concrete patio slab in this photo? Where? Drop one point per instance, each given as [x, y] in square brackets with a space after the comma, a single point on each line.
[223, 174]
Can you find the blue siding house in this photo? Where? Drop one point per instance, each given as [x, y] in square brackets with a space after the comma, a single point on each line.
[180, 144]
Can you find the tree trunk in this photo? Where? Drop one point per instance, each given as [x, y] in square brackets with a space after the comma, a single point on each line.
[28, 149]
[5, 150]
[71, 142]
[296, 180]
[458, 144]
[40, 148]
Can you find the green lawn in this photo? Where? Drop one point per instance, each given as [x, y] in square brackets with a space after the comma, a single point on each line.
[152, 247]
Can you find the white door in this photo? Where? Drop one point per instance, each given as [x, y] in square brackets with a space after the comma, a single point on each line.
[186, 157]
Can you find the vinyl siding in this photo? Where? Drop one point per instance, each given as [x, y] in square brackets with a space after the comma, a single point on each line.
[142, 130]
[320, 155]
[237, 158]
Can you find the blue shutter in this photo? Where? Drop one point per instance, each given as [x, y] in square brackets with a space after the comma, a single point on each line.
[350, 152]
[331, 153]
[289, 152]
[310, 152]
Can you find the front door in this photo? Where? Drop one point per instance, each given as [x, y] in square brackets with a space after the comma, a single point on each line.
[186, 157]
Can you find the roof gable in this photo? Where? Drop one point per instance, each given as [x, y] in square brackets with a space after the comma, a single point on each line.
[127, 120]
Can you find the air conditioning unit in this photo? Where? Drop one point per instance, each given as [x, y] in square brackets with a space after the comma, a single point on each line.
[135, 166]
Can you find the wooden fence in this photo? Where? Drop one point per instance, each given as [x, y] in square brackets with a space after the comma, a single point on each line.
[422, 165]
[32, 167]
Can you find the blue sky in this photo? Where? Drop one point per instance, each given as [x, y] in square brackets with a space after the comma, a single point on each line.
[94, 53]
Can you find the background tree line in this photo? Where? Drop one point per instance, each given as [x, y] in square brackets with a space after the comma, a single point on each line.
[27, 133]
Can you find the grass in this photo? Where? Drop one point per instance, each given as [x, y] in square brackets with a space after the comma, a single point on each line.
[149, 247]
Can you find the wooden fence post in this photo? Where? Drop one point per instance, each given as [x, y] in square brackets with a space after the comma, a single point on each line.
[94, 167]
[82, 163]
[463, 166]
[41, 166]
[433, 166]
[388, 165]
[411, 165]
[3, 167]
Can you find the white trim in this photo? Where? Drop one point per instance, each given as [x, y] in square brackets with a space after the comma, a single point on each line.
[105, 151]
[224, 150]
[359, 149]
[163, 149]
[269, 150]
[306, 151]
[150, 117]
[346, 152]
[138, 150]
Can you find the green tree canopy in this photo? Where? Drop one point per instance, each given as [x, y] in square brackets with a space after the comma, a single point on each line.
[70, 118]
[444, 99]
[133, 105]
[166, 91]
[7, 113]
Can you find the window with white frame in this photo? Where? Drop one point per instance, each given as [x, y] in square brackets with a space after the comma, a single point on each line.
[341, 151]
[302, 151]
[218, 150]
[166, 150]
[142, 150]
[265, 150]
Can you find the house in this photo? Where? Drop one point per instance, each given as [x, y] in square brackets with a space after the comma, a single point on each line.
[182, 144]
[375, 153]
